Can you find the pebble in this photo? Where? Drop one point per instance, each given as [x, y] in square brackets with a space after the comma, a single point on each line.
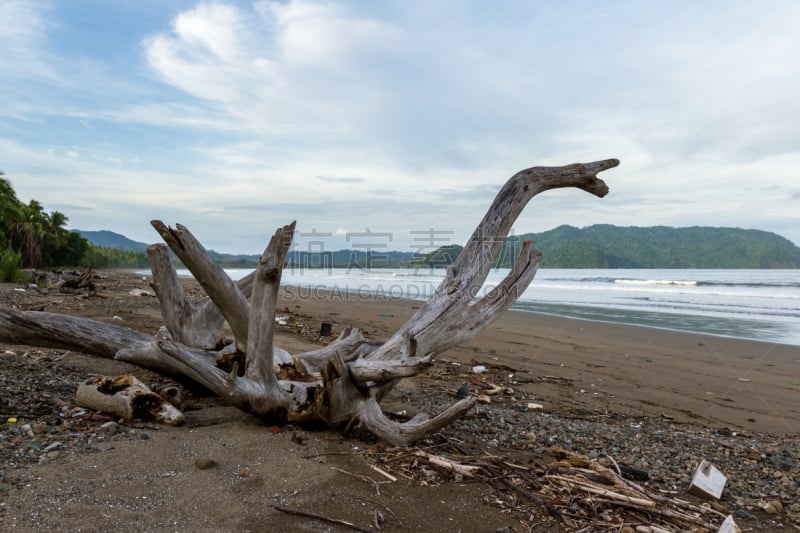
[204, 463]
[53, 446]
[110, 427]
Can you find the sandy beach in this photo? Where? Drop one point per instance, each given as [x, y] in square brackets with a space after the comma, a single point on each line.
[704, 379]
[655, 398]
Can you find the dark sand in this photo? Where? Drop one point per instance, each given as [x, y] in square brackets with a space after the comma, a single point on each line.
[597, 369]
[703, 379]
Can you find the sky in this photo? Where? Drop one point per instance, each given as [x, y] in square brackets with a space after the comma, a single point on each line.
[398, 119]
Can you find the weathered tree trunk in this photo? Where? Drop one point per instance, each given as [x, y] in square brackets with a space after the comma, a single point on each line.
[342, 383]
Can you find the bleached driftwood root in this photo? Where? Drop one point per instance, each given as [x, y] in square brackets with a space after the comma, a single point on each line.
[340, 384]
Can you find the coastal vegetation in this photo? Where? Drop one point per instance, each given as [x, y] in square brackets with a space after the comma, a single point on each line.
[30, 237]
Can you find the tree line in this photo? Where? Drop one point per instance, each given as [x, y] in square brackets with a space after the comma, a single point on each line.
[31, 238]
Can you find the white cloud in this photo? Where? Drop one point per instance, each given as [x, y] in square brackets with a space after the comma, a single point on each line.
[399, 114]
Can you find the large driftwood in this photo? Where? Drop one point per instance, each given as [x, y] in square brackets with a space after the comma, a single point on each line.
[340, 384]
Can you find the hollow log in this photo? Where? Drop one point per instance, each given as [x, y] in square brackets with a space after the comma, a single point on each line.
[128, 398]
[343, 383]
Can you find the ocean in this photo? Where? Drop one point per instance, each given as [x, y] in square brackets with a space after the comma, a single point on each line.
[762, 305]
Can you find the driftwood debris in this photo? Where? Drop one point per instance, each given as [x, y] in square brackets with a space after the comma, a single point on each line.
[128, 398]
[578, 493]
[341, 384]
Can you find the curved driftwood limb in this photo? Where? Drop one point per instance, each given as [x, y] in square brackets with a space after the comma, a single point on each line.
[215, 282]
[489, 308]
[465, 277]
[372, 419]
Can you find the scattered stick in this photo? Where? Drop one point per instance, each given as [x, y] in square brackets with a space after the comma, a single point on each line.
[464, 470]
[385, 474]
[399, 521]
[613, 462]
[376, 484]
[552, 511]
[324, 518]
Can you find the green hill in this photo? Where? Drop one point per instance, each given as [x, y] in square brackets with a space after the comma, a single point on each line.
[109, 239]
[606, 246]
[599, 246]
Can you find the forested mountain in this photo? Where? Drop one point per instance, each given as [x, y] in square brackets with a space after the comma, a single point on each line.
[599, 246]
[109, 239]
[606, 246]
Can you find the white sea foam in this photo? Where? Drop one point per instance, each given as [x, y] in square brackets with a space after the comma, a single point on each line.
[757, 304]
[656, 282]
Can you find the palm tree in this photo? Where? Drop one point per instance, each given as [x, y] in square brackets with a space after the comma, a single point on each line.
[27, 233]
[9, 210]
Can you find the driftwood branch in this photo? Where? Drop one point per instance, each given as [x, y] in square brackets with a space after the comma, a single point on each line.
[340, 384]
[227, 296]
[186, 323]
[262, 303]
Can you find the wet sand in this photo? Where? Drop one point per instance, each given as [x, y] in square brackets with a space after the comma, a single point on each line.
[634, 370]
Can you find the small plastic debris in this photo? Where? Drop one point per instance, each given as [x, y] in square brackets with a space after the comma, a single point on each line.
[141, 292]
[326, 329]
[729, 526]
[12, 420]
[463, 391]
[478, 369]
[495, 389]
[484, 399]
[535, 406]
[745, 380]
[708, 481]
[386, 315]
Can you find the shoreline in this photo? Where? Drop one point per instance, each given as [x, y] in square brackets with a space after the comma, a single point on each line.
[722, 382]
